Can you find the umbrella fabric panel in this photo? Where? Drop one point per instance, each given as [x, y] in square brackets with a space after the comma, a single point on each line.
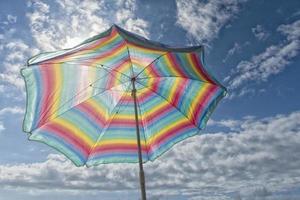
[53, 89]
[190, 97]
[76, 131]
[185, 65]
[118, 141]
[163, 124]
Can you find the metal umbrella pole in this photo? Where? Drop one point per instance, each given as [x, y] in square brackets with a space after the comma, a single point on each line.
[142, 175]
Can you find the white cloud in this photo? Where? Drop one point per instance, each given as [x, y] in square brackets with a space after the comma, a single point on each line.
[11, 19]
[11, 110]
[75, 21]
[15, 53]
[260, 157]
[260, 33]
[292, 31]
[270, 62]
[2, 128]
[236, 48]
[204, 20]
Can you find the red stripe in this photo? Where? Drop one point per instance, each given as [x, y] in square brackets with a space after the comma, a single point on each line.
[200, 68]
[120, 148]
[168, 135]
[123, 122]
[157, 114]
[199, 109]
[179, 92]
[142, 97]
[68, 137]
[91, 112]
[175, 65]
[48, 81]
[203, 102]
[151, 71]
[105, 54]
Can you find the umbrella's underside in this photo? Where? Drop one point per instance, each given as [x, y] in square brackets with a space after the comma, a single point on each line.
[79, 100]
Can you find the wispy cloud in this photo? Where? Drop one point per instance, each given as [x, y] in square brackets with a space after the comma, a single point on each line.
[270, 62]
[253, 158]
[204, 20]
[11, 110]
[260, 33]
[236, 48]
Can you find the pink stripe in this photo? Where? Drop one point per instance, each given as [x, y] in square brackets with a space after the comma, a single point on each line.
[47, 101]
[205, 100]
[68, 137]
[91, 112]
[200, 68]
[173, 132]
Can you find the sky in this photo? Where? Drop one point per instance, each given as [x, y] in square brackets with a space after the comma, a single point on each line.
[250, 148]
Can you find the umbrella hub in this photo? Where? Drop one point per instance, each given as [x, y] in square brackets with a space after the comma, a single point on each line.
[133, 79]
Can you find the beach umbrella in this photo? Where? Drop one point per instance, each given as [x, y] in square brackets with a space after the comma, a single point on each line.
[118, 98]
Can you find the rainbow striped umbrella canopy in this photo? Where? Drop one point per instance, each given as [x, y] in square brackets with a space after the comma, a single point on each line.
[81, 101]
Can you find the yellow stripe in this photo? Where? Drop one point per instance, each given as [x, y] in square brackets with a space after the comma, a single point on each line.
[196, 100]
[194, 68]
[165, 129]
[120, 141]
[57, 86]
[99, 108]
[74, 130]
[172, 92]
[111, 56]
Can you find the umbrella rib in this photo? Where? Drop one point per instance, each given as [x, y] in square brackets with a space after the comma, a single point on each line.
[108, 69]
[156, 59]
[193, 79]
[114, 111]
[170, 104]
[78, 103]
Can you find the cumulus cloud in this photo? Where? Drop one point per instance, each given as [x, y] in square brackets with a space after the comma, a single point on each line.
[75, 21]
[270, 62]
[255, 157]
[15, 53]
[204, 20]
[70, 24]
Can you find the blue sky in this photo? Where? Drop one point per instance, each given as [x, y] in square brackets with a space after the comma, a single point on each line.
[251, 146]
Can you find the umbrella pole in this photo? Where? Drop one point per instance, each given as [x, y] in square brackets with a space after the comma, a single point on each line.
[142, 176]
